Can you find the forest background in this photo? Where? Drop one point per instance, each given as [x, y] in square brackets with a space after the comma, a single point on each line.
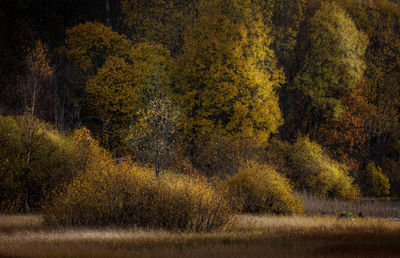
[253, 99]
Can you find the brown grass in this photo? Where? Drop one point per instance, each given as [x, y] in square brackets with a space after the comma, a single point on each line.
[249, 236]
[371, 208]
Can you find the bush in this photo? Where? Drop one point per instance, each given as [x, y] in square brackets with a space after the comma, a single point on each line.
[125, 194]
[314, 171]
[259, 188]
[192, 203]
[53, 159]
[392, 168]
[376, 183]
[346, 214]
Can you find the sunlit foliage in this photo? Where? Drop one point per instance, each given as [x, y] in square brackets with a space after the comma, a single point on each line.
[227, 75]
[334, 62]
[107, 192]
[113, 99]
[375, 182]
[310, 168]
[53, 162]
[259, 188]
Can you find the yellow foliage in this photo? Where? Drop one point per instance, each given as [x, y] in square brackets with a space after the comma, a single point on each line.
[54, 160]
[259, 188]
[314, 171]
[227, 75]
[90, 43]
[161, 21]
[125, 194]
[111, 92]
[376, 183]
[191, 203]
[120, 92]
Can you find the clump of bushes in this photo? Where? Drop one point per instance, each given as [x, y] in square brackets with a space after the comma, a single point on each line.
[376, 184]
[36, 161]
[110, 193]
[258, 188]
[310, 169]
[191, 203]
[318, 173]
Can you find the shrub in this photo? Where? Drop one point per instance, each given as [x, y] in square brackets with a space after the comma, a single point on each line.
[192, 203]
[346, 214]
[125, 194]
[53, 159]
[259, 188]
[316, 172]
[376, 183]
[392, 168]
[103, 194]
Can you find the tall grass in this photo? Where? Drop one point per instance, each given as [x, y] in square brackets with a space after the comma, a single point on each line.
[367, 207]
[249, 236]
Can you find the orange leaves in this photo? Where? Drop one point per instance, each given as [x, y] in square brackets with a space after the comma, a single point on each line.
[345, 138]
[38, 63]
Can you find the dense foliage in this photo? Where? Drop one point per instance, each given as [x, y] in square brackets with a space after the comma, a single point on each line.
[122, 193]
[199, 87]
[54, 161]
[259, 188]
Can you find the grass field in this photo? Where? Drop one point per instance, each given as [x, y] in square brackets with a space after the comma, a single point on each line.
[248, 236]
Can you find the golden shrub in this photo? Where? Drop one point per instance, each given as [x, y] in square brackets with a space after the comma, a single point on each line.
[259, 188]
[190, 203]
[376, 183]
[105, 193]
[392, 168]
[126, 194]
[25, 184]
[317, 173]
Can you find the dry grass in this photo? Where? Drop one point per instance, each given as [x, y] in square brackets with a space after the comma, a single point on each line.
[371, 208]
[249, 236]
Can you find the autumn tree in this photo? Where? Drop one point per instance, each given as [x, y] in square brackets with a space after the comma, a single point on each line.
[38, 73]
[122, 90]
[227, 79]
[112, 99]
[89, 44]
[334, 63]
[154, 134]
[346, 138]
[159, 21]
[312, 169]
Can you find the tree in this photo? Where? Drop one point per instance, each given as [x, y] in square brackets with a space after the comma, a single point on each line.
[154, 133]
[122, 90]
[314, 171]
[334, 63]
[158, 21]
[346, 138]
[375, 183]
[112, 99]
[380, 20]
[38, 72]
[89, 44]
[228, 76]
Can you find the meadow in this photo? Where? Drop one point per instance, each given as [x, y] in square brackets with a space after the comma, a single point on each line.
[246, 236]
